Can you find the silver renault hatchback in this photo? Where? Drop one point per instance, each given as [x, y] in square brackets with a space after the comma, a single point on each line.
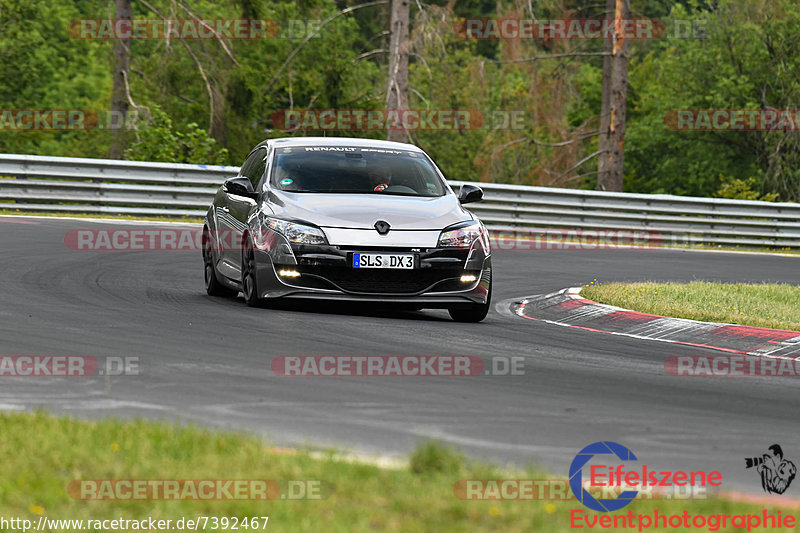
[347, 219]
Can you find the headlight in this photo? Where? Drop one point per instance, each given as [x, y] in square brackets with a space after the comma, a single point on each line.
[295, 232]
[463, 237]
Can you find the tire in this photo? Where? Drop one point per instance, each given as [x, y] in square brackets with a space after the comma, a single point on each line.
[473, 312]
[249, 282]
[213, 286]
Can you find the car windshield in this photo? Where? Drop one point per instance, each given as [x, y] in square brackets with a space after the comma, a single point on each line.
[359, 170]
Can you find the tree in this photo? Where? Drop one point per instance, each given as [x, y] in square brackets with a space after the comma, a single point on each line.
[397, 86]
[120, 74]
[605, 108]
[611, 170]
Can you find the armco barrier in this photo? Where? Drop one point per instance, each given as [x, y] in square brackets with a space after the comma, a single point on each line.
[75, 185]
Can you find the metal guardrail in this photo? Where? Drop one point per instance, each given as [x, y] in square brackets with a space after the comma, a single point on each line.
[76, 185]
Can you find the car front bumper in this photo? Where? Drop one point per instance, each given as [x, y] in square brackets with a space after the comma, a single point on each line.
[326, 273]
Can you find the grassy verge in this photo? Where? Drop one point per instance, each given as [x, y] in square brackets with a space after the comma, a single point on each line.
[767, 305]
[42, 454]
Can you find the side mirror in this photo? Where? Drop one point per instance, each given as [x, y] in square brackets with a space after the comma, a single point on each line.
[469, 194]
[239, 187]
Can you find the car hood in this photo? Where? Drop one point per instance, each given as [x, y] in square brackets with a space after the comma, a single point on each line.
[362, 211]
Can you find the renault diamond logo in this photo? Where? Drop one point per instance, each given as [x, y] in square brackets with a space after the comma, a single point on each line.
[382, 227]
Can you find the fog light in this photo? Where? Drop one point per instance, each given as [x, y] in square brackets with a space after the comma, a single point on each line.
[288, 273]
[468, 278]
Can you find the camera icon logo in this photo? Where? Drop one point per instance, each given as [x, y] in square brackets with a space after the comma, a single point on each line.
[776, 472]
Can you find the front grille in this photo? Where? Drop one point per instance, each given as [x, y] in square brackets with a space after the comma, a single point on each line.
[378, 281]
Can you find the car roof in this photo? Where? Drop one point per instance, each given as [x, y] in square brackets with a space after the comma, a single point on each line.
[339, 141]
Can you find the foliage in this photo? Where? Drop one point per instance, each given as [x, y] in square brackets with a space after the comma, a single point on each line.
[432, 457]
[43, 68]
[741, 55]
[739, 189]
[748, 60]
[158, 141]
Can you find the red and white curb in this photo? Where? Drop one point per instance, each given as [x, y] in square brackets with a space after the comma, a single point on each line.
[567, 308]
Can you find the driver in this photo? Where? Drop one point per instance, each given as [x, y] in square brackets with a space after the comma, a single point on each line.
[380, 176]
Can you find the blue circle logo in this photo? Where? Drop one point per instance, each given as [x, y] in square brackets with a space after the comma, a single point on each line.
[576, 476]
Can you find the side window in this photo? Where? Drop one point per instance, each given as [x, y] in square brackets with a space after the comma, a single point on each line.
[247, 163]
[254, 167]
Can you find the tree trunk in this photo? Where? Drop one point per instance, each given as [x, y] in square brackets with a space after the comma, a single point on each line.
[397, 87]
[612, 180]
[605, 105]
[119, 99]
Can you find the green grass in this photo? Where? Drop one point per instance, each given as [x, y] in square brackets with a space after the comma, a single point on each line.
[41, 454]
[767, 305]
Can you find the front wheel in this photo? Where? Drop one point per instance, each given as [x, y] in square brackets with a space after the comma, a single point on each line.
[472, 312]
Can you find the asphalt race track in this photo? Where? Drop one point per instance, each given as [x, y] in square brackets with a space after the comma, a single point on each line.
[208, 360]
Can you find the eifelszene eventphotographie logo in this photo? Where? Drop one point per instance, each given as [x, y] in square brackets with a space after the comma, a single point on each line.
[611, 473]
